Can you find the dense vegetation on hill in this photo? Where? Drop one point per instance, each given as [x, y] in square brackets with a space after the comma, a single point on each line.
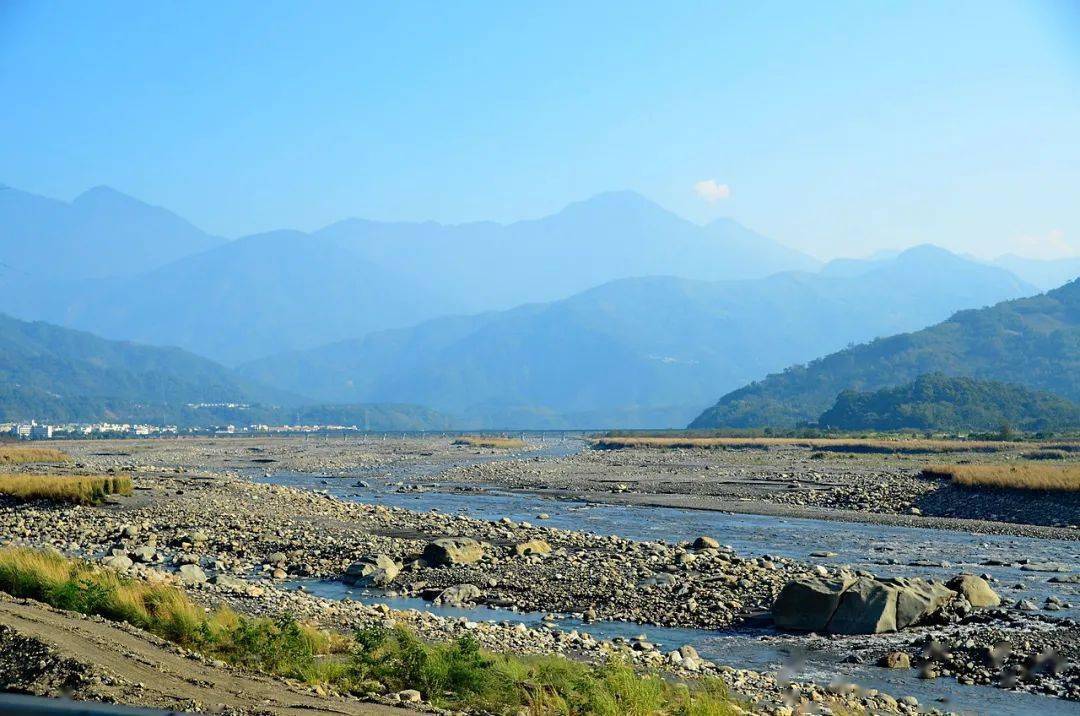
[56, 374]
[1033, 342]
[940, 402]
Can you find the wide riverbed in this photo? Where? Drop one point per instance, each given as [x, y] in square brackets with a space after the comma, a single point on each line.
[883, 550]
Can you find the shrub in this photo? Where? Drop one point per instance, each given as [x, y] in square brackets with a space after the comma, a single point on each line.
[79, 489]
[1024, 476]
[18, 454]
[490, 442]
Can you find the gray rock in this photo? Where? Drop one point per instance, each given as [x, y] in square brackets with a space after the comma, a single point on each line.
[917, 599]
[453, 550]
[377, 571]
[866, 607]
[807, 604]
[704, 542]
[118, 561]
[459, 594]
[143, 554]
[192, 574]
[533, 546]
[233, 584]
[975, 589]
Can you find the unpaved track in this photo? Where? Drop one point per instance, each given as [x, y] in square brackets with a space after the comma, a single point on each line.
[145, 671]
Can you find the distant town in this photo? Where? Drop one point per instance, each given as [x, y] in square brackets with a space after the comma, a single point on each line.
[33, 430]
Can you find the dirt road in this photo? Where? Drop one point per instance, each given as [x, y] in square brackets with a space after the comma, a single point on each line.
[52, 653]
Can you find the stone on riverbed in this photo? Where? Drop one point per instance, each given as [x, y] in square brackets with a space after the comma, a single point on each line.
[533, 546]
[458, 595]
[705, 542]
[453, 550]
[377, 571]
[808, 604]
[895, 660]
[192, 574]
[865, 605]
[118, 561]
[975, 589]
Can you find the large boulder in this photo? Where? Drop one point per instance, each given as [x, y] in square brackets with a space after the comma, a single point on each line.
[917, 599]
[453, 550]
[118, 561]
[459, 595]
[377, 571]
[975, 589]
[866, 607]
[192, 574]
[533, 546]
[807, 604]
[705, 542]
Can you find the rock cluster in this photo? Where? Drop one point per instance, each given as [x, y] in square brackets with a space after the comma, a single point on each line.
[851, 604]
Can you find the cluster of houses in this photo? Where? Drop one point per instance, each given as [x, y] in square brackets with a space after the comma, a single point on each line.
[34, 430]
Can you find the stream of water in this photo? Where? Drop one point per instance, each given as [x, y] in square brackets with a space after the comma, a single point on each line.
[884, 550]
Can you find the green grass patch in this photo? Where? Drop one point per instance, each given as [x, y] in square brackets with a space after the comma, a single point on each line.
[458, 675]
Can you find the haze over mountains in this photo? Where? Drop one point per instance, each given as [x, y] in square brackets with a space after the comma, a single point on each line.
[610, 313]
[1033, 342]
[636, 352]
[100, 233]
[288, 290]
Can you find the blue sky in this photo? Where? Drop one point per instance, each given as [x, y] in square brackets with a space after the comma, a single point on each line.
[838, 128]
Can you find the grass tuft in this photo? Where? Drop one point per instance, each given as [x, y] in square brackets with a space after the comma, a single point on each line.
[78, 489]
[19, 455]
[489, 442]
[1024, 476]
[458, 675]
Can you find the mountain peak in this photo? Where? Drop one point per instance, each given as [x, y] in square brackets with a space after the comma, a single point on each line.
[623, 201]
[106, 195]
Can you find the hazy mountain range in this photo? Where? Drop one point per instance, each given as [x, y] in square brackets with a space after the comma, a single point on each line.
[288, 290]
[57, 374]
[1033, 342]
[636, 352]
[611, 312]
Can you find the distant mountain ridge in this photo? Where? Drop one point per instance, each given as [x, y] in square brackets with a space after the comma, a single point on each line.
[635, 352]
[101, 233]
[1033, 342]
[288, 290]
[56, 374]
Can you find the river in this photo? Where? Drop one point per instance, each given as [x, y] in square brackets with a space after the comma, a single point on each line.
[884, 550]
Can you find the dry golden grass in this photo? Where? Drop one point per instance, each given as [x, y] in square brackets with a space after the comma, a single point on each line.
[1022, 476]
[904, 445]
[489, 442]
[79, 489]
[18, 455]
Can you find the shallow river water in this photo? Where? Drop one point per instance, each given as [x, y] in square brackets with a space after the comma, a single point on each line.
[884, 550]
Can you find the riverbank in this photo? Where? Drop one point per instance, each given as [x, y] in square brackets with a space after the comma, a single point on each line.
[793, 481]
[197, 515]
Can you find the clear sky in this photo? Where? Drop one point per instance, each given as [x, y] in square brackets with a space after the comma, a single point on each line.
[837, 127]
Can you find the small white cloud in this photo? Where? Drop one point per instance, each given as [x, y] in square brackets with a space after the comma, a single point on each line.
[1051, 245]
[711, 191]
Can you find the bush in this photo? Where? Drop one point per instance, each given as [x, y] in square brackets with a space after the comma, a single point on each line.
[78, 489]
[17, 455]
